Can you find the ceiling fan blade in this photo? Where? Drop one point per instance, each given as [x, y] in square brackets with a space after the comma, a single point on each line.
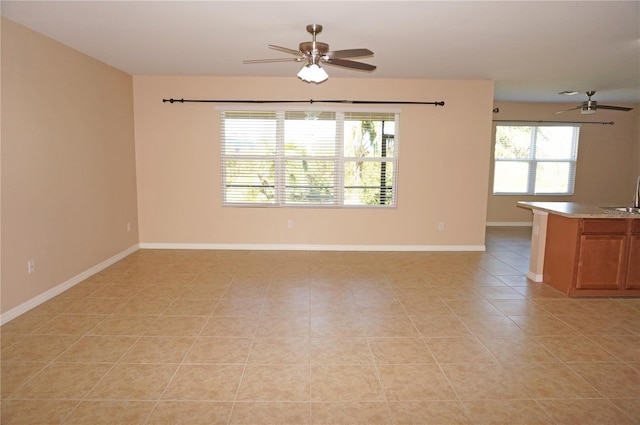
[299, 59]
[566, 110]
[614, 108]
[285, 49]
[349, 53]
[350, 64]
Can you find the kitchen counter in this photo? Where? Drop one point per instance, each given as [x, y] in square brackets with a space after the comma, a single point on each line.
[585, 249]
[577, 210]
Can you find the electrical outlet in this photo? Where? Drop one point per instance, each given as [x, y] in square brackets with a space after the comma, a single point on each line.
[289, 224]
[441, 226]
[31, 266]
[128, 227]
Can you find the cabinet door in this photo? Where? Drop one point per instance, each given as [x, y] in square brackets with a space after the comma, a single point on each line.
[601, 262]
[633, 266]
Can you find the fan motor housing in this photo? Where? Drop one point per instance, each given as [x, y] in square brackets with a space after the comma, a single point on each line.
[307, 47]
[589, 107]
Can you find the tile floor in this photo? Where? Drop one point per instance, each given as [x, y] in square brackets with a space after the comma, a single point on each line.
[222, 337]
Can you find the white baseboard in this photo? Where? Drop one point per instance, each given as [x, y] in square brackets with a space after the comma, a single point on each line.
[47, 295]
[509, 223]
[535, 277]
[305, 247]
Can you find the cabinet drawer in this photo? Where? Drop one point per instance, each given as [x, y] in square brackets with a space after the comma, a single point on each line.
[604, 226]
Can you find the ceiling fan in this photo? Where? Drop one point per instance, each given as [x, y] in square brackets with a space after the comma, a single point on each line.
[314, 53]
[591, 106]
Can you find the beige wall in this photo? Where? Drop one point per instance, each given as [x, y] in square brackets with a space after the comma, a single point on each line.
[443, 168]
[68, 163]
[608, 158]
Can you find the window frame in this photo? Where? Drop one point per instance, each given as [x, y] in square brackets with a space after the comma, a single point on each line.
[340, 159]
[533, 161]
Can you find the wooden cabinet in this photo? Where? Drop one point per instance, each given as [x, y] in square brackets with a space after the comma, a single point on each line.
[601, 259]
[632, 280]
[593, 257]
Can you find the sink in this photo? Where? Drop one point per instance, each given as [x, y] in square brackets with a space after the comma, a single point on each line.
[628, 210]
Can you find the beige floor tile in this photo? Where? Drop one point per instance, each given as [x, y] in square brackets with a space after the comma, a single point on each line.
[283, 326]
[492, 326]
[472, 307]
[440, 326]
[280, 351]
[98, 349]
[612, 380]
[336, 309]
[459, 350]
[143, 307]
[204, 382]
[30, 412]
[381, 308]
[584, 412]
[118, 324]
[400, 351]
[483, 382]
[571, 348]
[414, 383]
[551, 380]
[507, 412]
[354, 413]
[426, 307]
[336, 326]
[38, 348]
[70, 324]
[158, 349]
[133, 382]
[522, 349]
[519, 307]
[286, 308]
[345, 383]
[629, 406]
[214, 350]
[340, 351]
[238, 308]
[238, 327]
[543, 325]
[624, 347]
[177, 326]
[275, 383]
[282, 413]
[14, 374]
[27, 323]
[190, 306]
[63, 381]
[110, 413]
[93, 305]
[307, 339]
[392, 326]
[191, 413]
[429, 413]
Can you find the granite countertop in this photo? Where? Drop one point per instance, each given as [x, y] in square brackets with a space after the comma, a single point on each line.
[577, 210]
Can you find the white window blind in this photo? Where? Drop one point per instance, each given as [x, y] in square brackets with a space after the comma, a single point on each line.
[535, 160]
[309, 158]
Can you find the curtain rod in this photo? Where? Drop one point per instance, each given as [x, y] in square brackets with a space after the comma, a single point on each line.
[560, 122]
[354, 102]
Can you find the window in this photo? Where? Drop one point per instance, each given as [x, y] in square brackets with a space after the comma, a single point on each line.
[535, 159]
[309, 158]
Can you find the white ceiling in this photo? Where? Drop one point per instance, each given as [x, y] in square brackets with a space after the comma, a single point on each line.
[532, 49]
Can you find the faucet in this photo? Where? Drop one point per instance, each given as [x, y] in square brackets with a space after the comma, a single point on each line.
[636, 195]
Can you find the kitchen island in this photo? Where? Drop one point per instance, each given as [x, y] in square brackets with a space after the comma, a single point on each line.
[585, 249]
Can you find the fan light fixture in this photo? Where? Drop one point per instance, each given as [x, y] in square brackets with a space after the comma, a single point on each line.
[313, 74]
